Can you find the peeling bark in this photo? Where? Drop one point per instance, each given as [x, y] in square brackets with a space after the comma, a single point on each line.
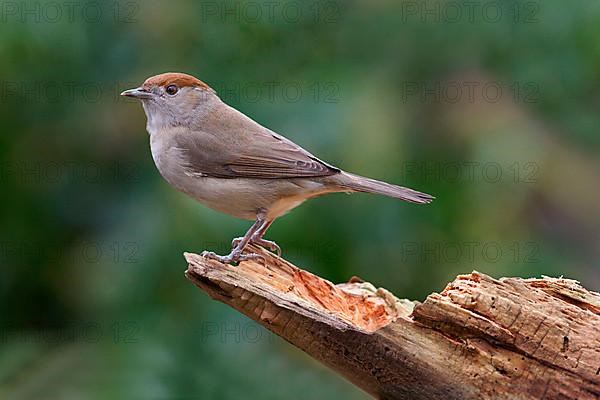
[480, 338]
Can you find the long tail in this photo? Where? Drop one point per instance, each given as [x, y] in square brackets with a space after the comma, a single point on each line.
[358, 183]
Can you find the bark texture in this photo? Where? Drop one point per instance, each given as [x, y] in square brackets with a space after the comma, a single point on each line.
[480, 338]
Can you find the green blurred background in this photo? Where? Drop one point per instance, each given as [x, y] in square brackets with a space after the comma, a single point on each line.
[490, 106]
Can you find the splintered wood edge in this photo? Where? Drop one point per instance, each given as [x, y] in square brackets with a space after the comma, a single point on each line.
[570, 291]
[553, 321]
[354, 305]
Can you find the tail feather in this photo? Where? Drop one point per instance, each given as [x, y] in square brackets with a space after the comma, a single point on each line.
[358, 183]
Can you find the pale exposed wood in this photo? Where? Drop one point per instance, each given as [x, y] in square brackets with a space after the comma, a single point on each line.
[480, 338]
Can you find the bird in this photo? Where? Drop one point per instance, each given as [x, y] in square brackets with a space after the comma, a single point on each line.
[227, 161]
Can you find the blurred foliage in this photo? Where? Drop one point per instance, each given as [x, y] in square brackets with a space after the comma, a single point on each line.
[93, 301]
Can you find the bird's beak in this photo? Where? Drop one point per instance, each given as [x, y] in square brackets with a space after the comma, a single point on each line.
[138, 93]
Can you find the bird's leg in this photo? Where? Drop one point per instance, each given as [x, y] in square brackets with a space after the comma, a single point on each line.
[258, 240]
[237, 250]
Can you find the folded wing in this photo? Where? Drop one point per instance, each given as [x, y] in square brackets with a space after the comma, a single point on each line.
[255, 152]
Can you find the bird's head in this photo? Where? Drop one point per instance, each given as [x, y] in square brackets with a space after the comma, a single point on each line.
[173, 99]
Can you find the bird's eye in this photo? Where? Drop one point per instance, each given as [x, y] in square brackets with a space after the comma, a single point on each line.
[171, 90]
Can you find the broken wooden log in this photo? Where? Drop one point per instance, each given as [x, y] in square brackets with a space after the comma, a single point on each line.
[480, 338]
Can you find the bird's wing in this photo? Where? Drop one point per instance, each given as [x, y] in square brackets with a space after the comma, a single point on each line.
[250, 152]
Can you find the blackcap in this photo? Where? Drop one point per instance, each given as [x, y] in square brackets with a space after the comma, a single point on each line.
[232, 164]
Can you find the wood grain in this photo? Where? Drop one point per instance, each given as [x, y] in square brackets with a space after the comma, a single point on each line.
[480, 338]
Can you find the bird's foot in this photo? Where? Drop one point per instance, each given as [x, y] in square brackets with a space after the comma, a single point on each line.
[267, 244]
[233, 257]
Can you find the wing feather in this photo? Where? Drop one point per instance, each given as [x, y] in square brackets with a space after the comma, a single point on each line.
[252, 152]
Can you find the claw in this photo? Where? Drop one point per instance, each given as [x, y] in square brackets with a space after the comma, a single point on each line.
[269, 245]
[207, 254]
[228, 259]
[235, 242]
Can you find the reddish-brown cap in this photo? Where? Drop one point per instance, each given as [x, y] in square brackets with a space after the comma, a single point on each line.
[175, 78]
